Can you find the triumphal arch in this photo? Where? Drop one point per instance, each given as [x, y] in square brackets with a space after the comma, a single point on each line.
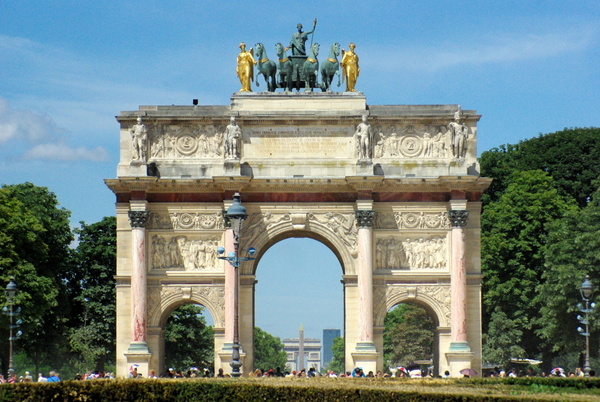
[394, 191]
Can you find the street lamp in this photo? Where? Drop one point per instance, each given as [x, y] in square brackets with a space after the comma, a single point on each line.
[11, 292]
[236, 214]
[586, 289]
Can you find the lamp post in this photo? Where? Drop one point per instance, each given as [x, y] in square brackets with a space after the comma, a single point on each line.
[236, 214]
[11, 292]
[586, 289]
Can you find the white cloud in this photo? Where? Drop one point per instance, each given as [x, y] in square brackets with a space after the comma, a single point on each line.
[24, 124]
[495, 49]
[62, 152]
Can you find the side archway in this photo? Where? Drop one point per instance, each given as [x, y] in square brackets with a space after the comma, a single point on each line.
[435, 299]
[166, 298]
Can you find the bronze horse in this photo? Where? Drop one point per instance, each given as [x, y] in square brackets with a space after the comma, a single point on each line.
[266, 67]
[285, 68]
[311, 68]
[330, 68]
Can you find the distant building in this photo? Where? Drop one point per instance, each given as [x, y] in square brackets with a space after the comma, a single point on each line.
[302, 353]
[328, 336]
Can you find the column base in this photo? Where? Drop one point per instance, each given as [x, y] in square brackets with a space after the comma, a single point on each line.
[365, 356]
[140, 360]
[137, 348]
[226, 358]
[459, 357]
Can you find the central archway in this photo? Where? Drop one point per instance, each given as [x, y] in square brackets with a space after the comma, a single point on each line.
[299, 284]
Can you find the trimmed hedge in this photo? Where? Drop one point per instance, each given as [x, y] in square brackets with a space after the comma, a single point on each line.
[320, 389]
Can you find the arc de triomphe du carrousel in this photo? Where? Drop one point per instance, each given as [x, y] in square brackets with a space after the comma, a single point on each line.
[393, 191]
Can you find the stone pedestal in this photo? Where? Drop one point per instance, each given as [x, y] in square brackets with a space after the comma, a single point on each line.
[141, 359]
[364, 167]
[226, 356]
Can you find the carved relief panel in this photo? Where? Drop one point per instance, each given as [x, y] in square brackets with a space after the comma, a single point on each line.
[413, 220]
[427, 141]
[186, 220]
[422, 253]
[185, 141]
[184, 252]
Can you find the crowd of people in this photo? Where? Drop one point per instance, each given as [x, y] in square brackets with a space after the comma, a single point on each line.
[530, 372]
[358, 372]
[12, 377]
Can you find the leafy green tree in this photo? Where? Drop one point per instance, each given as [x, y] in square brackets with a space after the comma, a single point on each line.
[499, 339]
[337, 364]
[93, 324]
[514, 232]
[268, 351]
[35, 238]
[189, 341]
[570, 156]
[408, 335]
[572, 251]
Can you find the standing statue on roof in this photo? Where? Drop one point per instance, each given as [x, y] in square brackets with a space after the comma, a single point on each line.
[459, 133]
[245, 67]
[350, 68]
[297, 44]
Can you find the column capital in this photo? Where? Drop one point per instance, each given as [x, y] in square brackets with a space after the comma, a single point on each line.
[458, 217]
[365, 218]
[138, 219]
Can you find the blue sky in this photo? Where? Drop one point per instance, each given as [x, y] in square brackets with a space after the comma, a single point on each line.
[68, 67]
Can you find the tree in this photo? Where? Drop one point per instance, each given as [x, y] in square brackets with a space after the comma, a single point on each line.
[570, 156]
[35, 237]
[514, 232]
[572, 251]
[268, 351]
[93, 323]
[189, 342]
[408, 335]
[337, 364]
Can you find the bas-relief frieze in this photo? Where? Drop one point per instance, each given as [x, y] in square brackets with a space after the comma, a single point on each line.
[392, 252]
[183, 252]
[389, 141]
[413, 220]
[186, 220]
[429, 142]
[186, 141]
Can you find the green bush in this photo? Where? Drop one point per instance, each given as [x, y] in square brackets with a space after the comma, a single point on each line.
[302, 389]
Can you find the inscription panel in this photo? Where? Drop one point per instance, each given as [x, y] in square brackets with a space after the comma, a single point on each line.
[299, 143]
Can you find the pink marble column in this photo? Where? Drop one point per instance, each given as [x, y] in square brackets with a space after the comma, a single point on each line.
[230, 289]
[138, 220]
[458, 279]
[365, 276]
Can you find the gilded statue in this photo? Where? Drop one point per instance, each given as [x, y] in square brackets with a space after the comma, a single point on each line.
[350, 68]
[245, 67]
[139, 136]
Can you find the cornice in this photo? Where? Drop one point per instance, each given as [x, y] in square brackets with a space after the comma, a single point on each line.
[348, 184]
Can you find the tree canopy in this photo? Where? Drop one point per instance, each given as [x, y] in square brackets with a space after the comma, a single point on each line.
[408, 335]
[189, 341]
[268, 351]
[532, 265]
